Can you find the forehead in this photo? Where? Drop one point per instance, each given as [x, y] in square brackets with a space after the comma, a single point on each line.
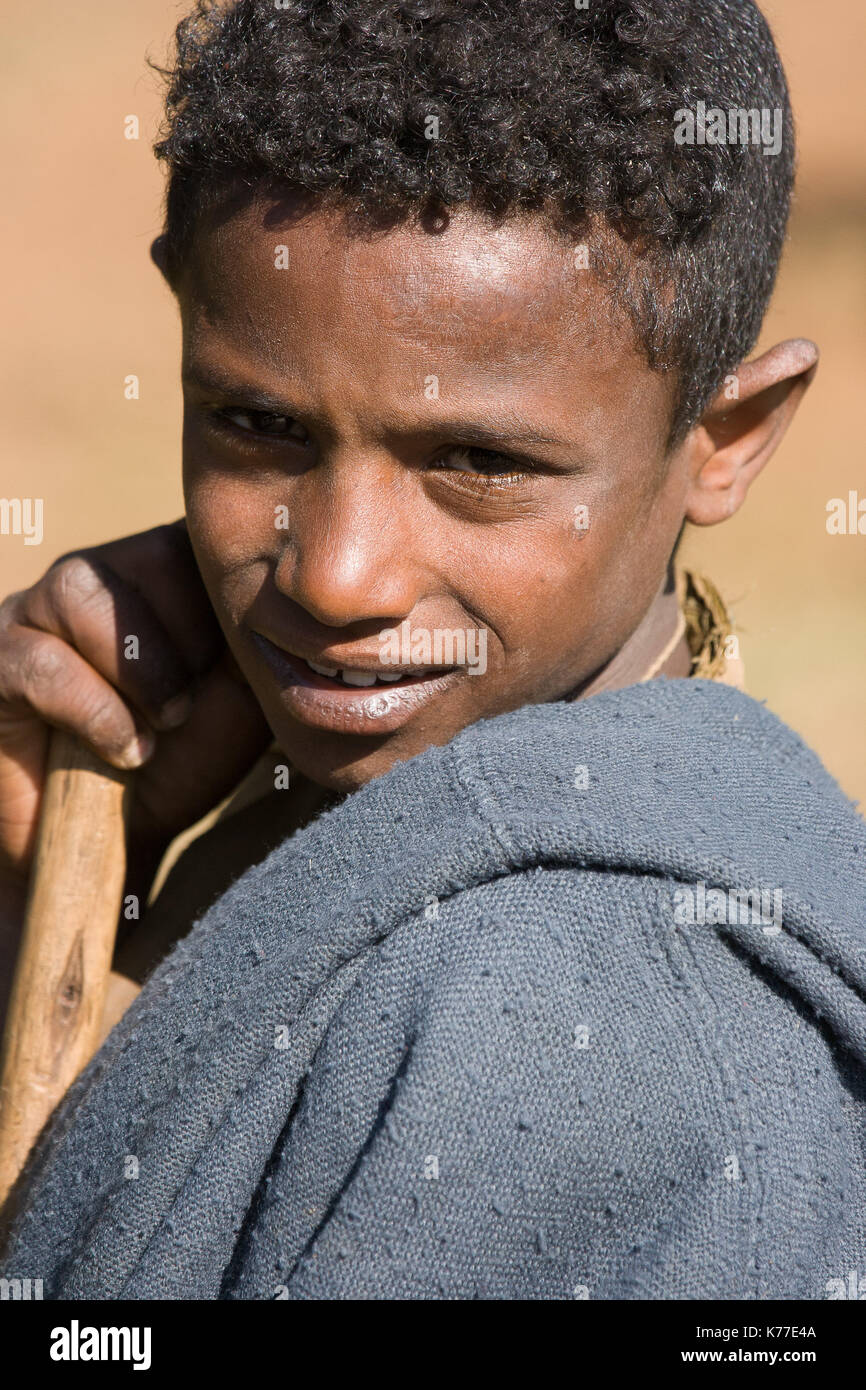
[472, 277]
[497, 306]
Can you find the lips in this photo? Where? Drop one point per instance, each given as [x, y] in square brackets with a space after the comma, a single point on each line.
[371, 702]
[347, 675]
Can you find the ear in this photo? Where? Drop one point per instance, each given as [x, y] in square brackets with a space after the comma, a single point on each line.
[159, 254]
[743, 427]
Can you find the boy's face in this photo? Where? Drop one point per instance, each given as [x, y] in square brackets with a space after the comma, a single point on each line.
[447, 430]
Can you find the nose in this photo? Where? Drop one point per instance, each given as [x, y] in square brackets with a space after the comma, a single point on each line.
[349, 552]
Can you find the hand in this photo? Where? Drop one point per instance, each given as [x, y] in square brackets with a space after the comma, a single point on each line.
[119, 645]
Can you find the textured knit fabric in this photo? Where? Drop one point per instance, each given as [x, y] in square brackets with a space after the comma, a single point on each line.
[451, 1040]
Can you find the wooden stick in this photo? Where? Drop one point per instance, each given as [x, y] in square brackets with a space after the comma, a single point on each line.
[76, 889]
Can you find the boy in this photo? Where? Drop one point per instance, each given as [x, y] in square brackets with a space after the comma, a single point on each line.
[562, 996]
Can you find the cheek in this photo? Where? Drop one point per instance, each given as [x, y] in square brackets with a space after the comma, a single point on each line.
[639, 517]
[535, 583]
[232, 525]
[575, 590]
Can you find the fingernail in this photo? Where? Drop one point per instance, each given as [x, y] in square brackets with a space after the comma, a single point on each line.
[137, 752]
[175, 712]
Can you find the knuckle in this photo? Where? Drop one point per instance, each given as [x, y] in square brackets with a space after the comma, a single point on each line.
[10, 609]
[40, 665]
[102, 721]
[73, 583]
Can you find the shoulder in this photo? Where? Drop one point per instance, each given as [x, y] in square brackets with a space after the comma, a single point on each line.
[551, 992]
[525, 1089]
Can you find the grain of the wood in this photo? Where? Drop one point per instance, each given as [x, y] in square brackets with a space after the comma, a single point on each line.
[56, 1005]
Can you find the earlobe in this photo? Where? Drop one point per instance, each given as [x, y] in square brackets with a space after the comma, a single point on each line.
[159, 254]
[743, 427]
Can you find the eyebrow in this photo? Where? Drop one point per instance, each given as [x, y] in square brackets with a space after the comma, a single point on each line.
[214, 380]
[510, 431]
[505, 430]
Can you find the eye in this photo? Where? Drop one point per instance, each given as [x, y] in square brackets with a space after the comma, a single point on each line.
[262, 422]
[484, 463]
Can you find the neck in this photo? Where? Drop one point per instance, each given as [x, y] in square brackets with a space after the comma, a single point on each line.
[657, 647]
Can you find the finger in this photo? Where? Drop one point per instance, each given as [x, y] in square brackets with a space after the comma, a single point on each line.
[116, 631]
[198, 765]
[160, 565]
[43, 675]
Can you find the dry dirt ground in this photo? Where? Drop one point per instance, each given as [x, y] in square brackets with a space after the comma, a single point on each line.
[84, 308]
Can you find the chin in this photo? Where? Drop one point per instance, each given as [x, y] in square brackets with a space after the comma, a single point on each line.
[337, 762]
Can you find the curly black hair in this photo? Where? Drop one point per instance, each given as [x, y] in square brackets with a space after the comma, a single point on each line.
[541, 106]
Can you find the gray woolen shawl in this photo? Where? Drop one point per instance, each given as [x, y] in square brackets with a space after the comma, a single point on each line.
[451, 1041]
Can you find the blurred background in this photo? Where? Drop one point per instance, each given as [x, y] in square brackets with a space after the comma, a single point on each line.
[85, 309]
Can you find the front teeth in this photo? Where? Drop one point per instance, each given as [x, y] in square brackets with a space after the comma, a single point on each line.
[363, 678]
[358, 677]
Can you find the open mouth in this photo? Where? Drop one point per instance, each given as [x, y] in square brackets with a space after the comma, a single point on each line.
[346, 677]
[349, 700]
